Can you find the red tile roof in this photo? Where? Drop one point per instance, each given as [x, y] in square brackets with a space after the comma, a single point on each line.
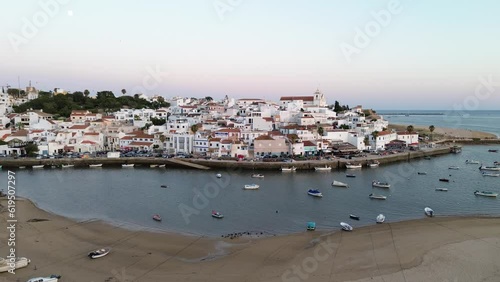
[295, 98]
[137, 143]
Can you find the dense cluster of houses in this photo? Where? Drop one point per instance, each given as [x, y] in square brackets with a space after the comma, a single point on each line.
[244, 128]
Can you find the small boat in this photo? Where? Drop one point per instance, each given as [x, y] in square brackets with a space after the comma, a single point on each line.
[217, 214]
[153, 165]
[157, 217]
[496, 163]
[67, 166]
[314, 193]
[51, 278]
[380, 218]
[164, 186]
[95, 165]
[377, 197]
[257, 175]
[444, 180]
[493, 150]
[99, 253]
[326, 168]
[352, 166]
[491, 168]
[37, 166]
[350, 175]
[345, 226]
[251, 187]
[422, 173]
[161, 166]
[454, 167]
[427, 158]
[374, 163]
[442, 189]
[485, 193]
[429, 212]
[339, 184]
[288, 169]
[355, 217]
[380, 184]
[19, 262]
[471, 162]
[491, 174]
[22, 167]
[311, 226]
[128, 165]
[218, 175]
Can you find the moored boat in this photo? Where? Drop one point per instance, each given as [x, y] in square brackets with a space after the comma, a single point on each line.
[164, 186]
[380, 218]
[485, 193]
[99, 253]
[491, 168]
[314, 193]
[374, 163]
[257, 175]
[37, 166]
[95, 165]
[422, 173]
[442, 189]
[325, 168]
[454, 167]
[311, 226]
[162, 165]
[427, 157]
[217, 214]
[444, 180]
[471, 162]
[288, 169]
[67, 166]
[51, 278]
[491, 174]
[156, 217]
[380, 184]
[350, 175]
[345, 226]
[218, 175]
[13, 263]
[429, 212]
[493, 150]
[377, 197]
[127, 165]
[352, 166]
[339, 184]
[353, 216]
[251, 187]
[153, 165]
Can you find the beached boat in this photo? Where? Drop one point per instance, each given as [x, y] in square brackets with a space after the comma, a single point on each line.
[454, 167]
[380, 218]
[288, 169]
[217, 214]
[339, 184]
[67, 166]
[314, 193]
[377, 197]
[325, 168]
[491, 174]
[444, 180]
[350, 175]
[345, 226]
[355, 217]
[471, 162]
[380, 184]
[99, 253]
[19, 262]
[311, 226]
[374, 163]
[491, 168]
[157, 217]
[257, 175]
[218, 175]
[429, 212]
[95, 165]
[485, 193]
[442, 189]
[251, 187]
[128, 165]
[422, 173]
[352, 166]
[51, 278]
[37, 166]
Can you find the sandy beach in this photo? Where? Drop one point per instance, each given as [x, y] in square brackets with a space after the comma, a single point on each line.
[430, 249]
[447, 133]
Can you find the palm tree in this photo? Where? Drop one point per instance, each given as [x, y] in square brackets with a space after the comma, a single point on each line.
[86, 92]
[410, 128]
[431, 129]
[124, 91]
[375, 134]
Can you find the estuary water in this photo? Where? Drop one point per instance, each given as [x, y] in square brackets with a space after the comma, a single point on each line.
[131, 196]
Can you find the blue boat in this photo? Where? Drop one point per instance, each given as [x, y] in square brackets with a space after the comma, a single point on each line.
[311, 225]
[314, 193]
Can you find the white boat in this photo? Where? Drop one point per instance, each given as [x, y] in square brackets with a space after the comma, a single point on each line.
[37, 166]
[128, 165]
[491, 174]
[95, 165]
[19, 262]
[22, 167]
[217, 214]
[380, 184]
[257, 175]
[339, 184]
[218, 175]
[51, 278]
[326, 168]
[345, 226]
[162, 165]
[99, 253]
[67, 166]
[374, 163]
[314, 193]
[352, 166]
[471, 162]
[485, 193]
[377, 197]
[429, 212]
[251, 187]
[288, 169]
[380, 218]
[442, 189]
[491, 168]
[454, 167]
[153, 165]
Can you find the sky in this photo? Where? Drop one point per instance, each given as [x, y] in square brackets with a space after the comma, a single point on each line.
[390, 54]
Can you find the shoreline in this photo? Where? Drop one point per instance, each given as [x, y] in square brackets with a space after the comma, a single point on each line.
[448, 132]
[59, 246]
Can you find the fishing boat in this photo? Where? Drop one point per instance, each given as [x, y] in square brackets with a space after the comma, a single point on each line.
[67, 166]
[485, 193]
[454, 167]
[339, 184]
[153, 165]
[99, 253]
[380, 218]
[374, 163]
[218, 175]
[491, 168]
[311, 226]
[314, 193]
[355, 217]
[251, 187]
[257, 175]
[350, 175]
[19, 262]
[422, 173]
[471, 162]
[51, 278]
[442, 189]
[491, 174]
[37, 166]
[429, 212]
[352, 166]
[345, 226]
[156, 217]
[217, 214]
[127, 165]
[380, 184]
[288, 169]
[444, 180]
[326, 168]
[95, 165]
[377, 197]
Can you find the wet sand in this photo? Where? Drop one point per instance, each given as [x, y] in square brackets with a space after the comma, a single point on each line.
[431, 249]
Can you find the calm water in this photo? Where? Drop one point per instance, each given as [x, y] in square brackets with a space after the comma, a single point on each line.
[133, 195]
[486, 121]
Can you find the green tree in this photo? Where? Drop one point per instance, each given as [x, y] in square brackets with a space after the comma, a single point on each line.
[344, 126]
[337, 108]
[86, 92]
[158, 121]
[410, 128]
[194, 128]
[208, 98]
[321, 131]
[431, 129]
[31, 149]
